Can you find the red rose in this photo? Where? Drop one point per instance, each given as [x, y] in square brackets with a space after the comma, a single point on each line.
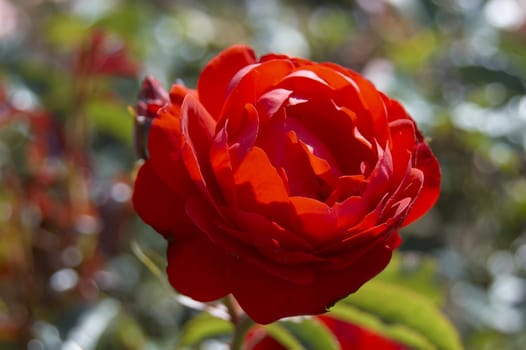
[282, 181]
[349, 337]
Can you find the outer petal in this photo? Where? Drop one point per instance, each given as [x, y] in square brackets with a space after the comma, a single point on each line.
[197, 127]
[262, 239]
[270, 237]
[284, 299]
[423, 158]
[168, 215]
[428, 164]
[216, 76]
[229, 147]
[199, 269]
[165, 144]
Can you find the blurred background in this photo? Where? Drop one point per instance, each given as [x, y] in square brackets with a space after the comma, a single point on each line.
[79, 270]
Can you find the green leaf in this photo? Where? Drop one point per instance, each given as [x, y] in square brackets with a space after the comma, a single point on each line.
[399, 333]
[202, 327]
[124, 332]
[111, 118]
[415, 51]
[65, 31]
[281, 334]
[400, 314]
[417, 272]
[304, 333]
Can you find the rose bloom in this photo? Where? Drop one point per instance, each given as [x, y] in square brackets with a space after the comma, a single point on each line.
[348, 336]
[279, 180]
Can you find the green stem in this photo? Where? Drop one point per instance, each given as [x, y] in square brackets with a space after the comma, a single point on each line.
[242, 323]
[241, 328]
[233, 309]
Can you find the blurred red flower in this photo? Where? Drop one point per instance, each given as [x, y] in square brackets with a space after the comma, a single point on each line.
[103, 54]
[280, 180]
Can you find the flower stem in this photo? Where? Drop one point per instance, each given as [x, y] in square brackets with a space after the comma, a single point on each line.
[240, 331]
[242, 323]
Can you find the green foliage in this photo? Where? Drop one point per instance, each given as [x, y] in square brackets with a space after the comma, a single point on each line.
[303, 333]
[125, 332]
[202, 327]
[283, 336]
[399, 313]
[112, 119]
[416, 51]
[64, 31]
[415, 272]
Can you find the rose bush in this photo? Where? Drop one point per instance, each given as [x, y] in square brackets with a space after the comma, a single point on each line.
[279, 180]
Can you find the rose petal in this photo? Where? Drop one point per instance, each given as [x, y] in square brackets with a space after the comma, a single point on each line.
[332, 77]
[320, 167]
[318, 222]
[397, 112]
[291, 266]
[270, 102]
[165, 144]
[284, 299]
[222, 167]
[380, 179]
[362, 94]
[287, 154]
[377, 192]
[259, 188]
[297, 61]
[178, 93]
[258, 228]
[350, 211]
[334, 128]
[253, 84]
[404, 196]
[216, 76]
[353, 250]
[426, 162]
[246, 247]
[306, 83]
[242, 132]
[199, 269]
[403, 141]
[168, 216]
[197, 127]
[345, 187]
